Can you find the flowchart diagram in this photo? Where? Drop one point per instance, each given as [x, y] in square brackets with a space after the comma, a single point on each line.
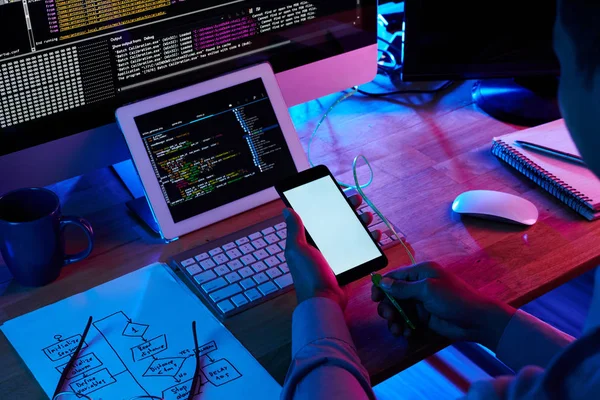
[132, 358]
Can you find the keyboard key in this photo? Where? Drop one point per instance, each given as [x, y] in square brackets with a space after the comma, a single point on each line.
[253, 294]
[235, 264]
[204, 277]
[194, 269]
[282, 233]
[207, 264]
[268, 230]
[272, 238]
[259, 243]
[246, 272]
[247, 283]
[221, 270]
[284, 280]
[214, 285]
[284, 268]
[273, 249]
[216, 251]
[259, 266]
[239, 300]
[232, 277]
[228, 246]
[272, 261]
[247, 248]
[242, 241]
[248, 259]
[274, 273]
[280, 226]
[386, 241]
[281, 257]
[234, 253]
[220, 259]
[225, 292]
[255, 236]
[281, 244]
[260, 254]
[188, 262]
[260, 278]
[225, 306]
[202, 257]
[268, 287]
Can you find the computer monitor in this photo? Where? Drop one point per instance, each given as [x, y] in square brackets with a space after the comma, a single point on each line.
[69, 65]
[509, 41]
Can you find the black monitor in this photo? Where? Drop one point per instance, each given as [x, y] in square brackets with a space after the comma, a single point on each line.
[65, 66]
[508, 43]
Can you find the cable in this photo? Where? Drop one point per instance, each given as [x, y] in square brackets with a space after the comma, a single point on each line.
[390, 44]
[316, 130]
[408, 91]
[357, 186]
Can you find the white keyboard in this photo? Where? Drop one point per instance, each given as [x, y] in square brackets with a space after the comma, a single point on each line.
[248, 267]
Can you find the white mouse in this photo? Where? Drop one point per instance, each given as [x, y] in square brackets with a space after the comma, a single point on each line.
[493, 205]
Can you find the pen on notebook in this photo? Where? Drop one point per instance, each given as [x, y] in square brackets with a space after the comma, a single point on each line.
[376, 278]
[549, 151]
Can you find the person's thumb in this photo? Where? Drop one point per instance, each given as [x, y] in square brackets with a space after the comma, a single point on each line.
[403, 290]
[295, 227]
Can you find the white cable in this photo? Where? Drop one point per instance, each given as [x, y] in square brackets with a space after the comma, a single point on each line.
[370, 203]
[357, 186]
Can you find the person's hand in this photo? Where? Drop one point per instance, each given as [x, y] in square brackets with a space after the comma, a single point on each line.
[442, 302]
[312, 275]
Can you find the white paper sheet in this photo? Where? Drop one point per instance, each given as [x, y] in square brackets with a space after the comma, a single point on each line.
[140, 343]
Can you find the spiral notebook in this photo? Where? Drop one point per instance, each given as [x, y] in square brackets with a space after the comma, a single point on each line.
[573, 184]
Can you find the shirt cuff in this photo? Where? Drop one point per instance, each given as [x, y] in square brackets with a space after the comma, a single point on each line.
[318, 318]
[529, 341]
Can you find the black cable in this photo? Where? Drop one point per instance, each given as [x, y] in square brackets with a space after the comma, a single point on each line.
[408, 91]
[392, 46]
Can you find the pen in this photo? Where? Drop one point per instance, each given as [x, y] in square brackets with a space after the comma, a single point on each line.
[376, 278]
[548, 150]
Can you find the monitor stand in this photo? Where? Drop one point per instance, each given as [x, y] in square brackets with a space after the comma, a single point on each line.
[519, 101]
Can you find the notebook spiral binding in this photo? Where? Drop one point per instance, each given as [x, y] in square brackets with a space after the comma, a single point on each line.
[549, 182]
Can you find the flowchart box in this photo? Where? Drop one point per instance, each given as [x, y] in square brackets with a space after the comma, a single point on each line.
[92, 382]
[63, 348]
[221, 372]
[149, 348]
[81, 365]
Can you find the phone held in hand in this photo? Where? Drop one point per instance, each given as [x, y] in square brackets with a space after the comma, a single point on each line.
[332, 225]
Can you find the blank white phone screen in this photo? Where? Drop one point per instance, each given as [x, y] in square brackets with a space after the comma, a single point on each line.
[332, 224]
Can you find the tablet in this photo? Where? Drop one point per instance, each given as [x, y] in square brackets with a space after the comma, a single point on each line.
[212, 150]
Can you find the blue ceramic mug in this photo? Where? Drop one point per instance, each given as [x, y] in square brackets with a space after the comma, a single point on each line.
[31, 236]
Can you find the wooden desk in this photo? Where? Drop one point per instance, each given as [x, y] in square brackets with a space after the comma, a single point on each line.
[425, 151]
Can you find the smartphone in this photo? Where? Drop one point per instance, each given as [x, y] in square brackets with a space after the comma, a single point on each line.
[332, 225]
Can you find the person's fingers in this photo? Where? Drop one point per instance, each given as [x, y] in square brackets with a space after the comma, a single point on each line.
[356, 200]
[447, 329]
[366, 218]
[376, 234]
[396, 328]
[388, 312]
[377, 294]
[404, 290]
[416, 272]
[295, 227]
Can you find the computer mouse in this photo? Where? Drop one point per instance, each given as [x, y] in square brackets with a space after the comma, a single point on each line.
[498, 206]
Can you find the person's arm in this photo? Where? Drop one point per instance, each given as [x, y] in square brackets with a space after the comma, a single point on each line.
[529, 341]
[572, 373]
[324, 361]
[325, 364]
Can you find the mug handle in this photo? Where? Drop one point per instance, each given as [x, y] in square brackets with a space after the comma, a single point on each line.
[87, 229]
